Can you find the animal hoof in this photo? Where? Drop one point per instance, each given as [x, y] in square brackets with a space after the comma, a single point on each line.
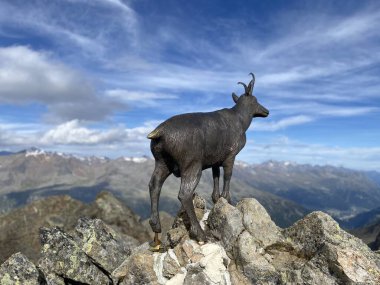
[155, 246]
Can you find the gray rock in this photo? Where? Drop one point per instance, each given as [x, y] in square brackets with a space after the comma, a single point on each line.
[209, 264]
[195, 275]
[332, 252]
[237, 276]
[178, 279]
[171, 265]
[258, 223]
[199, 202]
[137, 269]
[54, 279]
[225, 223]
[251, 261]
[98, 240]
[62, 256]
[17, 269]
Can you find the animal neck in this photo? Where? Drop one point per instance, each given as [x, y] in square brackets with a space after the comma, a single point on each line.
[243, 114]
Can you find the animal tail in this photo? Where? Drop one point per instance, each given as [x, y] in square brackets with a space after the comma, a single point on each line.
[155, 134]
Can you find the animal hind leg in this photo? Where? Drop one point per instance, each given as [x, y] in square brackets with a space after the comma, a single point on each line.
[215, 175]
[189, 181]
[160, 173]
[227, 173]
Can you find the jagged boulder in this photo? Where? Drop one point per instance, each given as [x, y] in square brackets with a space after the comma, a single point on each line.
[210, 265]
[138, 269]
[251, 260]
[225, 223]
[18, 269]
[62, 256]
[258, 223]
[98, 240]
[333, 251]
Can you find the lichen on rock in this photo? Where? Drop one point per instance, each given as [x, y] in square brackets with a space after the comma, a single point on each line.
[98, 240]
[19, 270]
[62, 256]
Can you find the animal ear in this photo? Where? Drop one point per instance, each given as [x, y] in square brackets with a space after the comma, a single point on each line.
[235, 97]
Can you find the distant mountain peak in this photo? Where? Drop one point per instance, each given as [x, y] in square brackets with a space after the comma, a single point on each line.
[34, 151]
[135, 159]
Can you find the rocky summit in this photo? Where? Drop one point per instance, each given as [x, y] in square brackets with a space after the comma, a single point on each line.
[244, 247]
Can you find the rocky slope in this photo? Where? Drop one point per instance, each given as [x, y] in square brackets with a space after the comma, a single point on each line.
[244, 247]
[19, 229]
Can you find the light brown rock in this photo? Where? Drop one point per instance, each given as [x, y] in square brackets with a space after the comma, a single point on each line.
[257, 222]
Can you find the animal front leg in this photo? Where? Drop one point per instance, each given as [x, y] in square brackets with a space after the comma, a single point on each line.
[190, 180]
[160, 173]
[215, 175]
[227, 169]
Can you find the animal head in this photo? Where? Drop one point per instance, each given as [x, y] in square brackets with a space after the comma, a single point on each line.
[249, 101]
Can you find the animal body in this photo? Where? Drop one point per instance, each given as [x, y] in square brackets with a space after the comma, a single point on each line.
[189, 143]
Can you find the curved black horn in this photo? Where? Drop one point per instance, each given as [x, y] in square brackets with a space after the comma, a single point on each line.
[245, 87]
[251, 84]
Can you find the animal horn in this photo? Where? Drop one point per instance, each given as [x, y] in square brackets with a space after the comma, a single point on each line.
[245, 87]
[251, 84]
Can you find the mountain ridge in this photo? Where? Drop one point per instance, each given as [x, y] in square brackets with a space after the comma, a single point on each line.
[287, 189]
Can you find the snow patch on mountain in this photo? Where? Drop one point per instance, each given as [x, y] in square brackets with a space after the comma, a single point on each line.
[136, 159]
[35, 152]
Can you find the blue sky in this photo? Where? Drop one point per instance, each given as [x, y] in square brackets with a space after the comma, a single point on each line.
[95, 76]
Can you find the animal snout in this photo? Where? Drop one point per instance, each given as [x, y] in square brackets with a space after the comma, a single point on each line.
[262, 112]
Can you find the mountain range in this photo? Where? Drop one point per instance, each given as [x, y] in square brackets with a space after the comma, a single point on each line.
[287, 190]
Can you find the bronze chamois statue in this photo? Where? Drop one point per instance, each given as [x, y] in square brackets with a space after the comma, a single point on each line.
[189, 143]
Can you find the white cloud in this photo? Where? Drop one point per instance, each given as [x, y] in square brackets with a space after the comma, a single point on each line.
[140, 98]
[70, 25]
[28, 76]
[73, 133]
[76, 136]
[281, 124]
[355, 27]
[348, 111]
[119, 4]
[76, 133]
